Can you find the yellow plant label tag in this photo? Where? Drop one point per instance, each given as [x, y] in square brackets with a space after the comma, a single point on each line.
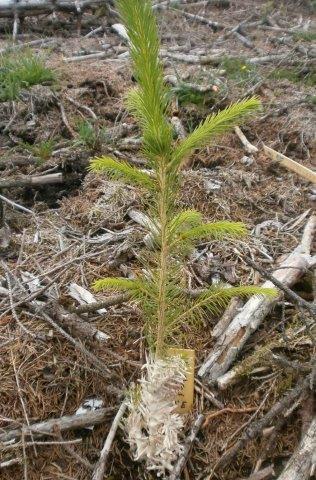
[186, 396]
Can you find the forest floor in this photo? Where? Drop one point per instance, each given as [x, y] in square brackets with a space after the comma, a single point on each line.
[81, 227]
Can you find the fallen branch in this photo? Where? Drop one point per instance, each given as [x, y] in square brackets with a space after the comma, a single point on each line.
[79, 458]
[93, 307]
[206, 392]
[195, 87]
[31, 181]
[98, 364]
[244, 40]
[40, 7]
[99, 470]
[83, 107]
[20, 46]
[16, 205]
[288, 292]
[301, 465]
[216, 60]
[68, 422]
[290, 164]
[179, 466]
[247, 145]
[214, 25]
[9, 463]
[79, 327]
[231, 342]
[249, 362]
[17, 162]
[90, 56]
[64, 118]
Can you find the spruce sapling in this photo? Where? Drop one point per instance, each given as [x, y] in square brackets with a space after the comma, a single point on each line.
[153, 426]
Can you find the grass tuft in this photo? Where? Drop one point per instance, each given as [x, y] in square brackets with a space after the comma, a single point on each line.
[294, 76]
[305, 36]
[21, 70]
[42, 150]
[238, 69]
[90, 135]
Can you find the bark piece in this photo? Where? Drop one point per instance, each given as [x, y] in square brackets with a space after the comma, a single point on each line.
[83, 296]
[234, 306]
[231, 342]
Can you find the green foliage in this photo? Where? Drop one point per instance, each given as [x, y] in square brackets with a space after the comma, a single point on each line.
[216, 231]
[149, 102]
[294, 75]
[42, 150]
[90, 135]
[213, 125]
[187, 95]
[21, 70]
[122, 170]
[134, 287]
[312, 99]
[305, 36]
[161, 290]
[216, 299]
[240, 71]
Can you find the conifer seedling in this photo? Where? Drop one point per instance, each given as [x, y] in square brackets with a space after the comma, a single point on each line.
[153, 427]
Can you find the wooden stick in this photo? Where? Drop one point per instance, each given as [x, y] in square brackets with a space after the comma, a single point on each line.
[67, 422]
[214, 25]
[290, 164]
[108, 302]
[75, 324]
[94, 360]
[80, 458]
[203, 390]
[31, 181]
[288, 292]
[16, 205]
[8, 463]
[32, 43]
[90, 56]
[19, 161]
[213, 415]
[179, 466]
[231, 342]
[244, 140]
[99, 470]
